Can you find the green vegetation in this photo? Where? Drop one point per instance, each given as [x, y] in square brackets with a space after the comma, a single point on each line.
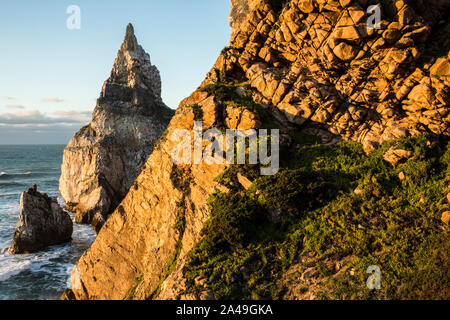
[229, 52]
[310, 209]
[168, 269]
[180, 226]
[226, 93]
[198, 112]
[162, 139]
[137, 281]
[181, 178]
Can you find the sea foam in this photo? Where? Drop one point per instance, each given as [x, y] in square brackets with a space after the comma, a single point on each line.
[12, 269]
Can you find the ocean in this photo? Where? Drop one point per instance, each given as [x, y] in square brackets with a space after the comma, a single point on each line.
[43, 275]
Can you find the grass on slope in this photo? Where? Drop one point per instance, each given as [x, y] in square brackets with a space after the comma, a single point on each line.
[310, 209]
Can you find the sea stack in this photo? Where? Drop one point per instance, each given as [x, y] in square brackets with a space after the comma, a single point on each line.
[104, 158]
[42, 223]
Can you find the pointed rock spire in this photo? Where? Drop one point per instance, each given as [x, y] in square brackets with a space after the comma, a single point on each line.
[128, 119]
[132, 69]
[130, 41]
[130, 31]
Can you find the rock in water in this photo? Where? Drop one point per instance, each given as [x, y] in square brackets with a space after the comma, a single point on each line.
[104, 158]
[42, 223]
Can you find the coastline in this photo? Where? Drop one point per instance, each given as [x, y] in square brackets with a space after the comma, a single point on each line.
[43, 275]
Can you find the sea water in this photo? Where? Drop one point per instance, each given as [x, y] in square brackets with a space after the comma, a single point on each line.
[43, 275]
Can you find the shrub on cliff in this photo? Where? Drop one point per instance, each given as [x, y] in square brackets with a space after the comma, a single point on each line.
[391, 222]
[294, 191]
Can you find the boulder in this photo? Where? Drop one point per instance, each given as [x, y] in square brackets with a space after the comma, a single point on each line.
[445, 218]
[345, 51]
[306, 6]
[397, 156]
[42, 223]
[440, 68]
[244, 181]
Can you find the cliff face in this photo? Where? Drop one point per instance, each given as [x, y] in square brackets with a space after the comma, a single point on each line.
[306, 65]
[322, 65]
[142, 238]
[103, 159]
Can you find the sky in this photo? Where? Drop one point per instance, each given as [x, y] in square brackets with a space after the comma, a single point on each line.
[51, 76]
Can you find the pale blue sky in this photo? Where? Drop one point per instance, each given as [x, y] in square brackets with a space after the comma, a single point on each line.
[50, 77]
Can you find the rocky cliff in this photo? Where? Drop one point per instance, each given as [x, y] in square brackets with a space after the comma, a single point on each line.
[309, 68]
[320, 64]
[104, 158]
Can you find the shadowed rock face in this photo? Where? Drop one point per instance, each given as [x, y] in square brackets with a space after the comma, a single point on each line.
[315, 66]
[42, 223]
[103, 159]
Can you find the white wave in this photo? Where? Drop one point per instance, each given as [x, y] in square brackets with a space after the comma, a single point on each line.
[10, 209]
[9, 194]
[69, 270]
[11, 205]
[13, 269]
[2, 173]
[61, 202]
[11, 266]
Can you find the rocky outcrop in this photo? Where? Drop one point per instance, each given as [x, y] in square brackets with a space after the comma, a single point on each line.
[42, 223]
[396, 156]
[322, 64]
[104, 158]
[312, 65]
